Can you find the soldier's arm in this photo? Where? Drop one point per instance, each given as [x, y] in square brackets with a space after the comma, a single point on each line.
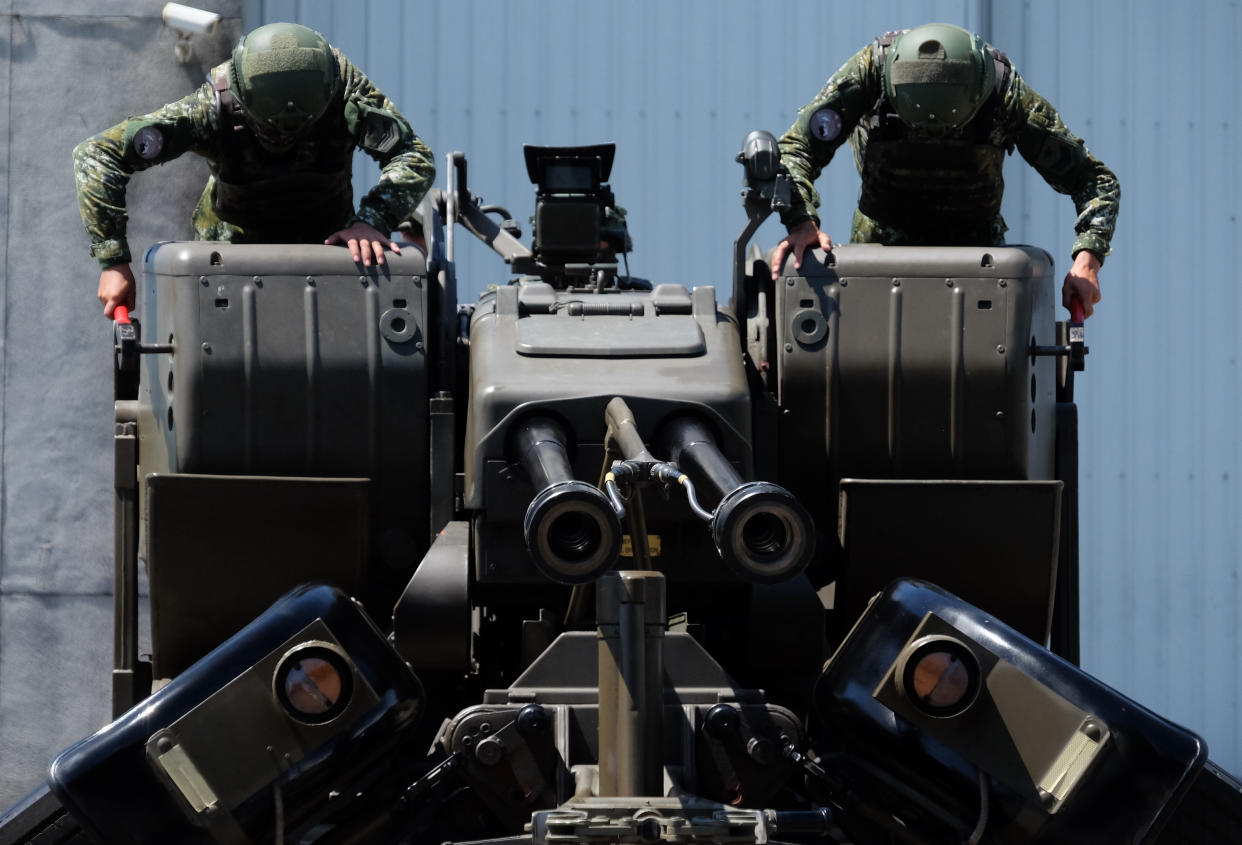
[822, 126]
[103, 164]
[1066, 164]
[407, 169]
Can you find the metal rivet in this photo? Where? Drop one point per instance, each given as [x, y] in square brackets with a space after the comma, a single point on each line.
[896, 283]
[1000, 348]
[203, 281]
[1002, 283]
[789, 282]
[789, 347]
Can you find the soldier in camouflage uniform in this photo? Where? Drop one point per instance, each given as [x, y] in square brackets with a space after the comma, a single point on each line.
[278, 125]
[931, 113]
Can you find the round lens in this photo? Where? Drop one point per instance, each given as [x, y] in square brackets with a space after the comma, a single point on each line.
[941, 677]
[941, 680]
[313, 683]
[313, 686]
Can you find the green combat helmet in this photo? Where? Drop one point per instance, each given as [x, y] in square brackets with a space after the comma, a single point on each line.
[936, 76]
[284, 75]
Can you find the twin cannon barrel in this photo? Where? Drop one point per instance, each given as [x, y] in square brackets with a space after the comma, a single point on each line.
[573, 530]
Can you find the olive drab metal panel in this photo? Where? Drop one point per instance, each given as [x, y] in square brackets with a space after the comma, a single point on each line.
[291, 393]
[921, 370]
[533, 349]
[317, 370]
[922, 364]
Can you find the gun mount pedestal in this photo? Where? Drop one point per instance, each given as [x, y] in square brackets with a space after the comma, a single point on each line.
[631, 682]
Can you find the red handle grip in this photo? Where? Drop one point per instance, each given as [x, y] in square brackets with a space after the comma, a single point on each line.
[1077, 312]
[120, 314]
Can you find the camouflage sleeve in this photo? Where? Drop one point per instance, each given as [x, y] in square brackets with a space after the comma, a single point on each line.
[406, 166]
[103, 164]
[822, 126]
[1067, 165]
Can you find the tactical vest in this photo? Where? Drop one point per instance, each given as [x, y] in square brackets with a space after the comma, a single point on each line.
[938, 186]
[304, 194]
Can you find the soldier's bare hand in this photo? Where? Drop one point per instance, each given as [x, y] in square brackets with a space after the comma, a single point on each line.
[1083, 282]
[365, 242]
[116, 287]
[799, 238]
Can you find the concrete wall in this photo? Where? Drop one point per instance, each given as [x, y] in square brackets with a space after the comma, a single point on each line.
[68, 70]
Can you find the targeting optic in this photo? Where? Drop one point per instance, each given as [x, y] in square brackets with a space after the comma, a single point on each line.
[570, 200]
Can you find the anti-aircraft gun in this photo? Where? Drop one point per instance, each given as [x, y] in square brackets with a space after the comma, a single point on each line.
[605, 516]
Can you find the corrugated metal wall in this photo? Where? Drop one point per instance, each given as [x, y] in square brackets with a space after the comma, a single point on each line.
[1152, 86]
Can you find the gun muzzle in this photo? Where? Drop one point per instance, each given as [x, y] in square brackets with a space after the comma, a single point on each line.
[763, 533]
[760, 530]
[572, 532]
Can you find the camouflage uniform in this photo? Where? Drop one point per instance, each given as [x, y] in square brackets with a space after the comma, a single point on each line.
[953, 197]
[303, 195]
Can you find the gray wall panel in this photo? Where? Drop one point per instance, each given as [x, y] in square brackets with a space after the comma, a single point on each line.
[6, 33]
[1159, 402]
[43, 711]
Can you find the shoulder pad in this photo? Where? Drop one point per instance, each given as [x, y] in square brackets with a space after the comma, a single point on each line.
[148, 142]
[1060, 157]
[378, 130]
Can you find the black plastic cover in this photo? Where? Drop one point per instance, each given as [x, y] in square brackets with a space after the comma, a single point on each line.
[111, 787]
[1145, 767]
